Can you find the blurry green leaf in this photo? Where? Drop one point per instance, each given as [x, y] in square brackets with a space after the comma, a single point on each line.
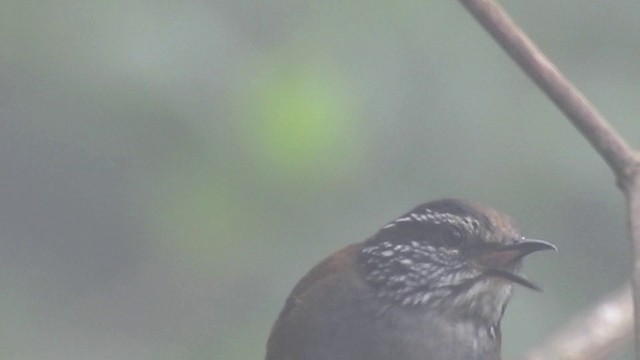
[302, 123]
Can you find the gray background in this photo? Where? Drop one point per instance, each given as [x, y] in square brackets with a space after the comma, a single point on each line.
[169, 169]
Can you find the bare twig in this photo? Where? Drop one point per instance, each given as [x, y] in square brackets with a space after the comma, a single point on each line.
[632, 194]
[621, 158]
[567, 97]
[592, 335]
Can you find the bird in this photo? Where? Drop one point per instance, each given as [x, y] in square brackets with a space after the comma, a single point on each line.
[433, 284]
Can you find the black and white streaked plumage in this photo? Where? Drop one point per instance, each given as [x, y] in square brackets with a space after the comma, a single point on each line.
[431, 285]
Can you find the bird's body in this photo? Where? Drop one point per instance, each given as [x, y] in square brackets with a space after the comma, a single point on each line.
[339, 317]
[407, 293]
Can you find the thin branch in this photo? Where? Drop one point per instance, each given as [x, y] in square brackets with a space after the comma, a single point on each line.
[621, 158]
[565, 95]
[592, 335]
[632, 194]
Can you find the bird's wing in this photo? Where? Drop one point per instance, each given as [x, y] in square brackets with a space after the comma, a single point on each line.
[323, 271]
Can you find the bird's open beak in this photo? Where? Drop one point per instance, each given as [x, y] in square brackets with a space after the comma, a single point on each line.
[499, 261]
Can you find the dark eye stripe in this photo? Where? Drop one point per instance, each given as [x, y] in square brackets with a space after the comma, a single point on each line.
[457, 237]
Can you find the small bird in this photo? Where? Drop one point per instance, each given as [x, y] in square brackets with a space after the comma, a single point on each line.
[431, 285]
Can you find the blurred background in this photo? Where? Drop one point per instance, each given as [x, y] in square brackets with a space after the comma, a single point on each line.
[170, 169]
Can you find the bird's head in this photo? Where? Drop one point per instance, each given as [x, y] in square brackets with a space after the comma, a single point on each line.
[459, 256]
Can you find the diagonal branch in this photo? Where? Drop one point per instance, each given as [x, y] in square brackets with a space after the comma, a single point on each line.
[594, 334]
[621, 158]
[584, 116]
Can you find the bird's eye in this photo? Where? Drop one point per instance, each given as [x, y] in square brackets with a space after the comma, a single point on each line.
[456, 237]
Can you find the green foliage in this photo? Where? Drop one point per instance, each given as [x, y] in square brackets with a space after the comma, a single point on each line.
[301, 123]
